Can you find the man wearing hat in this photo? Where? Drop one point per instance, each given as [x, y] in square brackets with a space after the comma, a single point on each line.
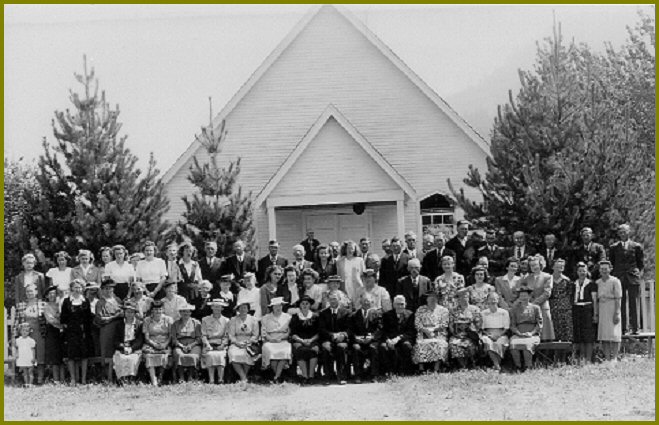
[334, 324]
[366, 329]
[588, 252]
[272, 259]
[398, 334]
[627, 260]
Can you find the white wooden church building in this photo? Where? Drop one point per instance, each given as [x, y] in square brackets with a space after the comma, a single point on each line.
[339, 136]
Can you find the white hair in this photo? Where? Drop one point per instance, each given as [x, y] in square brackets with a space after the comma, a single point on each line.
[400, 298]
[298, 247]
[414, 262]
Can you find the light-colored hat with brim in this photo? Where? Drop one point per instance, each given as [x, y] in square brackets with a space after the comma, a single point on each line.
[334, 278]
[241, 303]
[186, 307]
[277, 301]
[130, 305]
[226, 277]
[217, 302]
[92, 285]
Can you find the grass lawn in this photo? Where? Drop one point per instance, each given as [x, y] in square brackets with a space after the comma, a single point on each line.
[623, 391]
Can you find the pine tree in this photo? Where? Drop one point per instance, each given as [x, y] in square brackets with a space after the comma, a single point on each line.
[92, 193]
[219, 211]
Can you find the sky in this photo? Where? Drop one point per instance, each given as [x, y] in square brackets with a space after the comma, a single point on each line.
[161, 63]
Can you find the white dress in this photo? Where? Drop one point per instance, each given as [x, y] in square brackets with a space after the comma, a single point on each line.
[276, 327]
[253, 297]
[494, 327]
[351, 271]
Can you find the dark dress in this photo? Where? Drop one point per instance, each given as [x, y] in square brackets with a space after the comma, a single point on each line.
[202, 309]
[53, 339]
[186, 287]
[560, 306]
[78, 320]
[325, 272]
[305, 329]
[585, 331]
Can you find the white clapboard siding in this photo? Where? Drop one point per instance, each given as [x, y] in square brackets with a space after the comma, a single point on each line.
[331, 62]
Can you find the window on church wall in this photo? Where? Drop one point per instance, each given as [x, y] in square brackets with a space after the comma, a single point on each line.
[437, 215]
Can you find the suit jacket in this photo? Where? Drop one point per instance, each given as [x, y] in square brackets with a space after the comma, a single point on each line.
[210, 271]
[359, 326]
[590, 255]
[391, 271]
[412, 294]
[372, 261]
[310, 248]
[266, 262]
[625, 260]
[541, 288]
[301, 265]
[19, 287]
[136, 343]
[173, 272]
[558, 253]
[496, 257]
[94, 274]
[528, 251]
[462, 262]
[431, 266]
[419, 253]
[232, 266]
[328, 325]
[392, 327]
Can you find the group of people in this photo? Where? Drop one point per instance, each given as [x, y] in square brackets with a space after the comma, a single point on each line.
[333, 312]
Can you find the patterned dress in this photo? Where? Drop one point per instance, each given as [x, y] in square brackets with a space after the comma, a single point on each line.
[478, 295]
[446, 289]
[560, 305]
[158, 332]
[431, 349]
[465, 323]
[242, 331]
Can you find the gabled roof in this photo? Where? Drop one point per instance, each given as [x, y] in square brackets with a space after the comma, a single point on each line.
[286, 42]
[332, 112]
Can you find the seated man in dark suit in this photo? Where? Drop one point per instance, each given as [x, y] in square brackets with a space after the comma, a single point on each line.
[210, 267]
[431, 266]
[398, 334]
[413, 286]
[334, 324]
[366, 329]
[238, 264]
[273, 258]
[393, 267]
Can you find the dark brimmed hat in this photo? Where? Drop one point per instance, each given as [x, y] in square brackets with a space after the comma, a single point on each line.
[50, 288]
[523, 288]
[306, 298]
[226, 277]
[369, 272]
[167, 284]
[108, 283]
[130, 305]
[157, 304]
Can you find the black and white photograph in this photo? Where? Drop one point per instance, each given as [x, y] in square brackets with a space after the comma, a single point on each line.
[285, 212]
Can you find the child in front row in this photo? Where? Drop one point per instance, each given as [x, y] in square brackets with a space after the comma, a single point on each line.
[26, 358]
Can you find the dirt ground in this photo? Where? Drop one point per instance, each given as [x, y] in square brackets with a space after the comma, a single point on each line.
[598, 392]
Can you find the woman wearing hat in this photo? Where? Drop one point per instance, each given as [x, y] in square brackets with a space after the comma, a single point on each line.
[128, 341]
[76, 319]
[60, 276]
[243, 335]
[251, 294]
[479, 291]
[607, 311]
[120, 271]
[186, 341]
[526, 323]
[305, 332]
[465, 324]
[215, 339]
[431, 321]
[152, 271]
[139, 298]
[202, 306]
[190, 273]
[172, 301]
[157, 339]
[277, 351]
[108, 313]
[584, 325]
[53, 335]
[496, 323]
[85, 269]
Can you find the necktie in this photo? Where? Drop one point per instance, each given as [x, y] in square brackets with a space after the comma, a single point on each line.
[550, 255]
[365, 318]
[519, 251]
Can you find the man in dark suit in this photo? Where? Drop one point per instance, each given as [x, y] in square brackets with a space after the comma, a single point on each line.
[334, 324]
[299, 261]
[414, 285]
[238, 264]
[589, 252]
[410, 246]
[460, 244]
[211, 266]
[371, 260]
[310, 244]
[551, 252]
[272, 259]
[393, 267]
[520, 249]
[626, 256]
[366, 329]
[398, 334]
[431, 266]
[496, 255]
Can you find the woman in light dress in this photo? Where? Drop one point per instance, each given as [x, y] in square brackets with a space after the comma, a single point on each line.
[186, 342]
[120, 271]
[243, 337]
[61, 276]
[526, 323]
[350, 266]
[128, 341]
[447, 284]
[157, 342]
[277, 351]
[251, 294]
[479, 291]
[607, 312]
[496, 323]
[215, 340]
